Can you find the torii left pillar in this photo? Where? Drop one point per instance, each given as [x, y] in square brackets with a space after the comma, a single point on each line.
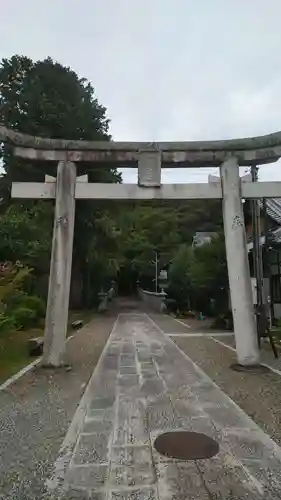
[60, 270]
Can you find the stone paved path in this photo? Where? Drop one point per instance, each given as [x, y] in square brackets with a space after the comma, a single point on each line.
[144, 386]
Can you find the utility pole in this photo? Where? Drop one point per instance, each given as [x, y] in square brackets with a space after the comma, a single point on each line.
[267, 275]
[257, 251]
[155, 262]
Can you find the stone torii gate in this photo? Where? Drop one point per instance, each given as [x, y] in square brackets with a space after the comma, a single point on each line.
[148, 158]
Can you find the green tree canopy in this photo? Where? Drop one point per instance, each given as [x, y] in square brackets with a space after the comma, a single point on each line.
[112, 239]
[180, 276]
[198, 274]
[47, 99]
[208, 271]
[25, 234]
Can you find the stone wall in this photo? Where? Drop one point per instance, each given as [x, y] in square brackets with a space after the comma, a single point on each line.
[154, 300]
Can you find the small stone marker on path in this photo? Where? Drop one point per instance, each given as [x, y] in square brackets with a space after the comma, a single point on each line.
[78, 323]
[35, 346]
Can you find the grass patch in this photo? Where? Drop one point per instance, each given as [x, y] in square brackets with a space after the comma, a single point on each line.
[277, 334]
[13, 345]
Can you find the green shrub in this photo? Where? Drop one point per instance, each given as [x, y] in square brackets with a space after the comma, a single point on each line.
[7, 323]
[12, 279]
[36, 304]
[278, 323]
[27, 301]
[24, 317]
[15, 300]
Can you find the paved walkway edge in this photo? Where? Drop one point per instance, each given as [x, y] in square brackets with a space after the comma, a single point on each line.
[27, 368]
[69, 441]
[19, 374]
[274, 370]
[265, 438]
[143, 386]
[179, 321]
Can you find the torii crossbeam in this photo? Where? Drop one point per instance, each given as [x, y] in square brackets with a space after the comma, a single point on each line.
[149, 158]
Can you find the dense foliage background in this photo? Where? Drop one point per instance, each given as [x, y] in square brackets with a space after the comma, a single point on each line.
[112, 240]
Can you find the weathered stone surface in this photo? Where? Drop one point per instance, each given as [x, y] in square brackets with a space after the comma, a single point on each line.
[131, 428]
[102, 403]
[92, 449]
[228, 481]
[127, 360]
[243, 443]
[244, 321]
[76, 494]
[131, 455]
[222, 413]
[35, 413]
[161, 417]
[60, 269]
[178, 480]
[144, 356]
[93, 426]
[128, 381]
[132, 466]
[100, 414]
[111, 362]
[78, 323]
[268, 474]
[132, 475]
[87, 476]
[164, 391]
[259, 149]
[128, 370]
[135, 494]
[148, 365]
[35, 346]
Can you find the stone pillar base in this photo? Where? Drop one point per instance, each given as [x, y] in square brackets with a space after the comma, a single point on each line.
[254, 369]
[60, 269]
[49, 366]
[238, 266]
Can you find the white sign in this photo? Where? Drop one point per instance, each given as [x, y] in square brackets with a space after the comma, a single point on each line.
[163, 274]
[254, 290]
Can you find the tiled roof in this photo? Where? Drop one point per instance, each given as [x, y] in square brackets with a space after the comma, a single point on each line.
[273, 209]
[276, 235]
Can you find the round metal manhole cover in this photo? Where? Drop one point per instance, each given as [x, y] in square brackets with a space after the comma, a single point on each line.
[184, 445]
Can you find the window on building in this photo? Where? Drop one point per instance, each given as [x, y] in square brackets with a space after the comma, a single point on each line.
[275, 289]
[273, 257]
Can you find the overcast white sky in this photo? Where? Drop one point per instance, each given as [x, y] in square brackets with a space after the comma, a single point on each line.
[165, 69]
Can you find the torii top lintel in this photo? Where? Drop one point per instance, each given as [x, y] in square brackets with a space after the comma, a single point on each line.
[248, 151]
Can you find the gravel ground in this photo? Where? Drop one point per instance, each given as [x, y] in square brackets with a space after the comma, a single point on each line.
[266, 351]
[36, 411]
[144, 387]
[258, 395]
[169, 324]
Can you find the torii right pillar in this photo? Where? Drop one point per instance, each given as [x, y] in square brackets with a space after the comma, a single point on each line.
[244, 322]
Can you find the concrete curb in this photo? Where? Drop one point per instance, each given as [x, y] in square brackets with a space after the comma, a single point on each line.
[274, 370]
[29, 367]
